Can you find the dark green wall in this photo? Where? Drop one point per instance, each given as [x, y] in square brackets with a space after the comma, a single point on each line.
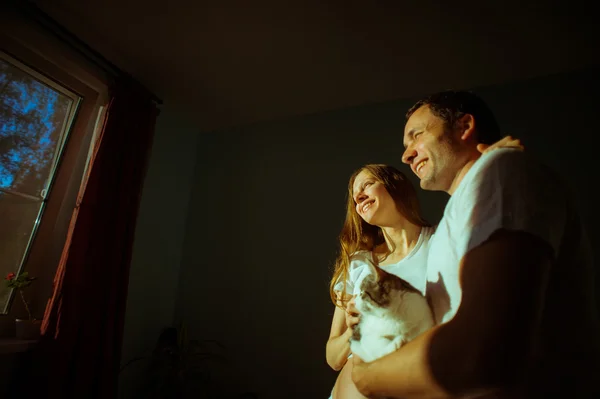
[157, 248]
[268, 202]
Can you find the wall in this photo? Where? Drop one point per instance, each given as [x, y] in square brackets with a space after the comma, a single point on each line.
[268, 202]
[158, 242]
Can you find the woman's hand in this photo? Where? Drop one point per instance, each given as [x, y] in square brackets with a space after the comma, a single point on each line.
[506, 142]
[338, 344]
[352, 314]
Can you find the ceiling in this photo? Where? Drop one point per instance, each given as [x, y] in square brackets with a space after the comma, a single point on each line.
[234, 62]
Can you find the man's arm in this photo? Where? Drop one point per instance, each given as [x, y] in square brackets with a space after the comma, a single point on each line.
[487, 344]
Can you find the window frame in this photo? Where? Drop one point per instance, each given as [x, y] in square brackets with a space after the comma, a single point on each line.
[58, 154]
[36, 48]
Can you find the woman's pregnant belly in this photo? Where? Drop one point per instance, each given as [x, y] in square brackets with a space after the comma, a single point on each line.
[344, 387]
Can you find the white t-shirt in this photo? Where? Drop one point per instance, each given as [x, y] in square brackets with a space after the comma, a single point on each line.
[411, 268]
[507, 189]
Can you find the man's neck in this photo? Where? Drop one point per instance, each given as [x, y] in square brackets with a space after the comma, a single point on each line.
[461, 174]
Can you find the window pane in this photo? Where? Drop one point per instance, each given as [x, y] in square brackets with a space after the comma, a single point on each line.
[32, 121]
[17, 216]
[35, 115]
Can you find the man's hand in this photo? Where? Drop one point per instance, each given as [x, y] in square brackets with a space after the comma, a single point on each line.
[359, 368]
[506, 142]
[358, 362]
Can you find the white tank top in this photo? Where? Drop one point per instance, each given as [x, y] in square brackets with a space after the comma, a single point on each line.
[412, 268]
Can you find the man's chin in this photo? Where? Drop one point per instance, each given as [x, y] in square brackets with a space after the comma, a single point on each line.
[427, 184]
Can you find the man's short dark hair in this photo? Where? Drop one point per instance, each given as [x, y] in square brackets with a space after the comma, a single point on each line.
[451, 105]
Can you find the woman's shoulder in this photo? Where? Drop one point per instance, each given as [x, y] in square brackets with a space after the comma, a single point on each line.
[361, 254]
[360, 258]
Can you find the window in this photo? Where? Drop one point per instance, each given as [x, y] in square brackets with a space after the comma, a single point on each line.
[35, 119]
[53, 99]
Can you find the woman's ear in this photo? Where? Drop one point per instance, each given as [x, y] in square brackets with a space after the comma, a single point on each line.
[467, 126]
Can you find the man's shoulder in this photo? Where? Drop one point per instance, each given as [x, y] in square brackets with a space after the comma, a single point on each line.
[511, 190]
[504, 158]
[511, 181]
[510, 166]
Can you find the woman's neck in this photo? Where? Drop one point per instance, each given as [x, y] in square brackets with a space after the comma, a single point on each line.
[400, 240]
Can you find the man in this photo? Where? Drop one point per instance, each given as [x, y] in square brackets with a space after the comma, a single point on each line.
[510, 277]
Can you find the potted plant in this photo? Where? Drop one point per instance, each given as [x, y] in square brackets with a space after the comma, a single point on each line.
[26, 329]
[181, 368]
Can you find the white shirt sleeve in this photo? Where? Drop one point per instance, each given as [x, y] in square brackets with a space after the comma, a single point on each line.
[358, 267]
[512, 191]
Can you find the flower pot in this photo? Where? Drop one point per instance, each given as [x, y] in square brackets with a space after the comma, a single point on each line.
[27, 329]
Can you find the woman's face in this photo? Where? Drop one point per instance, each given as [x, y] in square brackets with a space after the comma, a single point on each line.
[373, 202]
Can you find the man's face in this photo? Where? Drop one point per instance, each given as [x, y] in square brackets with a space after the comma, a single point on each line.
[430, 150]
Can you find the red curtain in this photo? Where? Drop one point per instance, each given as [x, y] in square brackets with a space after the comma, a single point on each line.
[79, 353]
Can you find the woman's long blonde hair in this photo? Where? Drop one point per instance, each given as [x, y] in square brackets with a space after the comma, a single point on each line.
[358, 235]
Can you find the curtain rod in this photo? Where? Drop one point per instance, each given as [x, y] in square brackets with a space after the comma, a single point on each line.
[32, 10]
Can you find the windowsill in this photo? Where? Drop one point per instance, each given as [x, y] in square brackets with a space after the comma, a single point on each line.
[13, 345]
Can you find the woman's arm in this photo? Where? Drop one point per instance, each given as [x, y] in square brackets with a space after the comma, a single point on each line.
[338, 345]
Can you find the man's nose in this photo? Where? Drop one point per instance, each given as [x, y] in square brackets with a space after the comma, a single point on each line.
[408, 155]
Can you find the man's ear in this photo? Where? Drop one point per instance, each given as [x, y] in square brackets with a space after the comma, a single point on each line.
[467, 126]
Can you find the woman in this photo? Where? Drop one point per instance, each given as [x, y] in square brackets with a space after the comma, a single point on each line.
[383, 223]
